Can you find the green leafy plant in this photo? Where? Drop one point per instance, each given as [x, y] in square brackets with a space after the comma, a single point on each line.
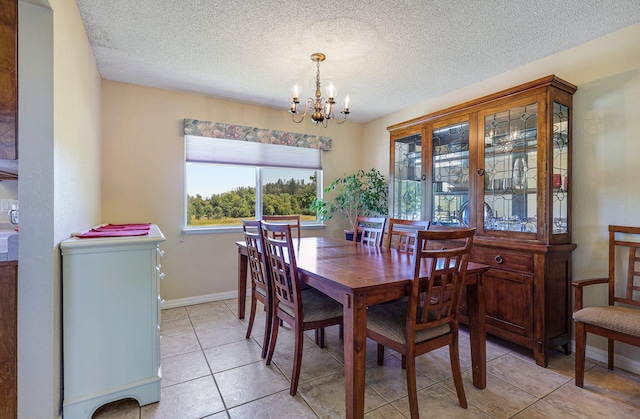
[357, 194]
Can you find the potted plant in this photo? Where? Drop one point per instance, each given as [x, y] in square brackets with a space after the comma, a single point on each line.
[357, 194]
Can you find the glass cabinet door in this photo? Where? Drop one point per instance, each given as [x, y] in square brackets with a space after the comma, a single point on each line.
[407, 178]
[511, 173]
[450, 176]
[560, 173]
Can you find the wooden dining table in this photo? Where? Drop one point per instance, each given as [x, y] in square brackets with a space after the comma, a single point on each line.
[360, 276]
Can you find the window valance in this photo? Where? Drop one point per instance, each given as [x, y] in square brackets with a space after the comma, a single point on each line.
[256, 135]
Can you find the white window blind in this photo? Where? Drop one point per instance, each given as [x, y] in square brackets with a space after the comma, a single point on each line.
[216, 150]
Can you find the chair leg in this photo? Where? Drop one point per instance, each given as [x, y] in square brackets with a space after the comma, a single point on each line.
[267, 331]
[320, 337]
[454, 356]
[252, 315]
[275, 326]
[581, 337]
[380, 354]
[297, 360]
[412, 388]
[610, 354]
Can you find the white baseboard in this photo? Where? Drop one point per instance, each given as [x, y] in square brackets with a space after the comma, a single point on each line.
[600, 355]
[200, 299]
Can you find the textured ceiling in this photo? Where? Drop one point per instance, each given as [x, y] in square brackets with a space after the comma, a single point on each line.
[387, 55]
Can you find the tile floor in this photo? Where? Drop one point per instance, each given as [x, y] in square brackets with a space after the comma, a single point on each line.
[210, 370]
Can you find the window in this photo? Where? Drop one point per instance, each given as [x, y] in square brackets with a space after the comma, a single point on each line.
[228, 180]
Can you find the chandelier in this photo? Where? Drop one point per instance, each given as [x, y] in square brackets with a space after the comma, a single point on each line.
[321, 109]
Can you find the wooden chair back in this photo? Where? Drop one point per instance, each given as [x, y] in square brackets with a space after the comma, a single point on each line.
[402, 234]
[438, 278]
[624, 243]
[257, 263]
[283, 269]
[369, 230]
[292, 220]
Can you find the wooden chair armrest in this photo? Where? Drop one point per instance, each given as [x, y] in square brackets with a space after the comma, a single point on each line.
[578, 285]
[584, 282]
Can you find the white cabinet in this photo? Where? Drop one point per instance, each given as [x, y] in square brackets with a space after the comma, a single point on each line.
[111, 318]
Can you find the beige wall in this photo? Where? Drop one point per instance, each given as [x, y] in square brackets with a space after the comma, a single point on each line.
[143, 175]
[59, 187]
[606, 146]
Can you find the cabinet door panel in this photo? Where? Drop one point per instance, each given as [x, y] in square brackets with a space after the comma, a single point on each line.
[508, 299]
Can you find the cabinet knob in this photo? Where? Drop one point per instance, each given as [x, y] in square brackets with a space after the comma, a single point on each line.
[480, 172]
[423, 177]
[158, 266]
[498, 259]
[161, 276]
[160, 253]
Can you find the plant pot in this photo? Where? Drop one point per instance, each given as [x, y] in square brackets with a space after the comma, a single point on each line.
[349, 235]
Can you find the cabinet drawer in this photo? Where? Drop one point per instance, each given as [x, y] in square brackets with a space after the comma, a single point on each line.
[503, 259]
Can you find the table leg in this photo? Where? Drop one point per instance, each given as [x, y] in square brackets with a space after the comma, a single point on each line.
[477, 332]
[243, 260]
[355, 346]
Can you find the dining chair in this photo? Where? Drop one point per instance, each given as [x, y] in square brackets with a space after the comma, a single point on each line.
[402, 234]
[428, 319]
[260, 284]
[369, 230]
[302, 310]
[292, 220]
[614, 322]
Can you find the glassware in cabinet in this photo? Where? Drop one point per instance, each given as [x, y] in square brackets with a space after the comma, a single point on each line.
[407, 173]
[510, 168]
[450, 175]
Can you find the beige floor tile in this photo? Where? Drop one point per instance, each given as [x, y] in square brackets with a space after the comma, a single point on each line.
[287, 338]
[178, 344]
[253, 389]
[220, 333]
[185, 367]
[173, 313]
[499, 399]
[385, 412]
[250, 382]
[232, 355]
[527, 376]
[121, 409]
[277, 406]
[326, 396]
[587, 404]
[437, 402]
[212, 309]
[192, 399]
[257, 331]
[176, 327]
[336, 349]
[390, 380]
[316, 363]
[437, 364]
[617, 384]
[542, 410]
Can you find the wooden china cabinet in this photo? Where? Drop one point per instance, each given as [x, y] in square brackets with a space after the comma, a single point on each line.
[501, 164]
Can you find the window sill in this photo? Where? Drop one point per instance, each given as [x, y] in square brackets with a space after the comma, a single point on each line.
[238, 229]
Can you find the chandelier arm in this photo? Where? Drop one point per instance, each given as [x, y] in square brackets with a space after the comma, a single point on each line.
[344, 118]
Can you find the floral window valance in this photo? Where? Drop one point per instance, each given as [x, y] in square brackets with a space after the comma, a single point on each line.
[257, 135]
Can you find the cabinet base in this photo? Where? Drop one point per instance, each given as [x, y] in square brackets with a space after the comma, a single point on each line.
[82, 407]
